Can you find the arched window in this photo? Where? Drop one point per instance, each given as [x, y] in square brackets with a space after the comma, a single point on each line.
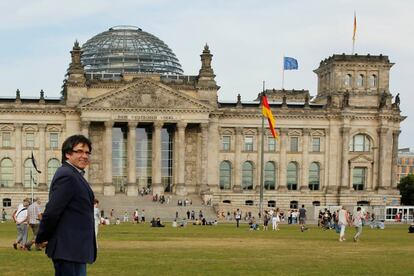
[294, 204]
[6, 173]
[360, 142]
[360, 80]
[52, 166]
[271, 203]
[373, 81]
[316, 203]
[363, 203]
[247, 176]
[292, 176]
[225, 175]
[314, 176]
[348, 80]
[270, 176]
[227, 201]
[29, 170]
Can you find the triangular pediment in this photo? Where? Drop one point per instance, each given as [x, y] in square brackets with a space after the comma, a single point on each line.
[146, 94]
[361, 159]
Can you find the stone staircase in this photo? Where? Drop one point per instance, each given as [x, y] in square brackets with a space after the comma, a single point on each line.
[122, 203]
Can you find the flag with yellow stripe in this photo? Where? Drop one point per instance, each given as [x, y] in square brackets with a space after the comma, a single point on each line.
[267, 112]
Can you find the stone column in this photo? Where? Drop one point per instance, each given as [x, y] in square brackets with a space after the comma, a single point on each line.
[283, 160]
[42, 158]
[324, 184]
[333, 159]
[394, 172]
[181, 188]
[213, 154]
[85, 128]
[382, 174]
[18, 160]
[85, 132]
[237, 162]
[109, 188]
[346, 185]
[132, 188]
[204, 189]
[304, 183]
[157, 187]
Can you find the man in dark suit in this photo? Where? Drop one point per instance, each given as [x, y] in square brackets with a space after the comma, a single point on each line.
[67, 226]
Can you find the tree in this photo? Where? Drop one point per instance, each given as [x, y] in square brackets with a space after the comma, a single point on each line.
[406, 188]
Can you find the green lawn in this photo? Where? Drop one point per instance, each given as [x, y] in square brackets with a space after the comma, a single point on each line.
[224, 250]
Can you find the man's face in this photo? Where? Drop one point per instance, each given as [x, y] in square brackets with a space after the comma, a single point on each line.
[79, 156]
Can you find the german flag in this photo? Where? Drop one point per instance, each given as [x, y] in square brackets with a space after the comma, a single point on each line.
[267, 112]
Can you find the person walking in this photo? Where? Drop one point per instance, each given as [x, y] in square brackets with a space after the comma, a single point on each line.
[343, 221]
[67, 226]
[302, 218]
[238, 217]
[357, 221]
[20, 217]
[33, 218]
[96, 216]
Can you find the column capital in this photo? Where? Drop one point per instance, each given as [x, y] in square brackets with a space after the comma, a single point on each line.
[204, 126]
[382, 130]
[345, 130]
[306, 131]
[158, 124]
[181, 125]
[239, 130]
[284, 130]
[85, 123]
[18, 125]
[396, 133]
[132, 124]
[42, 126]
[109, 124]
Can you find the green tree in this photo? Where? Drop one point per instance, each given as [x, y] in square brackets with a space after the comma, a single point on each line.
[406, 188]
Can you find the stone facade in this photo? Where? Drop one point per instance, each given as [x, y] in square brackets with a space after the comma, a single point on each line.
[338, 148]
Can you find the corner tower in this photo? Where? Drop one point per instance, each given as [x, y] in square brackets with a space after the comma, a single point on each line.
[360, 80]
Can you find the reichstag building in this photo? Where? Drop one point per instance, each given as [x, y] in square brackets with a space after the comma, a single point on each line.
[154, 127]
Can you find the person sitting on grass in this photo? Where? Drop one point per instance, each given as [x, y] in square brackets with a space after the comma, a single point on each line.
[159, 224]
[252, 224]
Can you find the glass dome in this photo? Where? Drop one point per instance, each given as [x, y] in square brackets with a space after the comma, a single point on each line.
[128, 49]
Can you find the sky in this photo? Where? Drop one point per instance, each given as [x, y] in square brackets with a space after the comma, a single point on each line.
[248, 40]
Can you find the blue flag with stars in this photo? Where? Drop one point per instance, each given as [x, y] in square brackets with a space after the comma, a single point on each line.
[290, 63]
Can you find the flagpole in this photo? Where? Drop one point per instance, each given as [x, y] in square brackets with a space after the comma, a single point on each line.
[261, 158]
[354, 34]
[283, 72]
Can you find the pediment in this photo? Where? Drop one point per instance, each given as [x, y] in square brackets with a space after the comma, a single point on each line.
[146, 94]
[361, 159]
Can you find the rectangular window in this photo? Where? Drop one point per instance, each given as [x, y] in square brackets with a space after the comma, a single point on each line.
[6, 139]
[226, 143]
[30, 142]
[54, 140]
[294, 144]
[316, 144]
[248, 143]
[271, 143]
[359, 178]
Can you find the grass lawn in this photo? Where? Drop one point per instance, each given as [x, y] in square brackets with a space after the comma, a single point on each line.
[225, 250]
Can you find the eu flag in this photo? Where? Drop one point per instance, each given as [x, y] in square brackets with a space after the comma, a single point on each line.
[290, 63]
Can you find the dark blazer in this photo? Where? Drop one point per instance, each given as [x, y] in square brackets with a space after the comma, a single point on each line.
[68, 222]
